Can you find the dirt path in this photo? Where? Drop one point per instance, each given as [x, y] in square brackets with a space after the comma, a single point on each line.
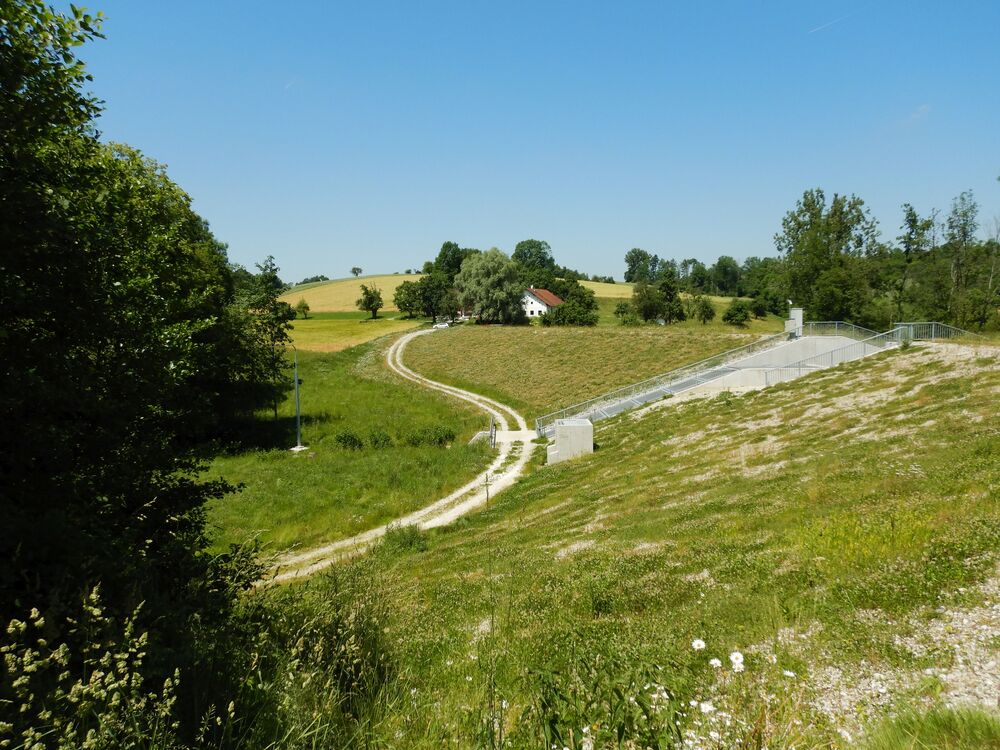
[513, 437]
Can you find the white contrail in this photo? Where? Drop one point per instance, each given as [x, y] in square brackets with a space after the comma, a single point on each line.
[828, 25]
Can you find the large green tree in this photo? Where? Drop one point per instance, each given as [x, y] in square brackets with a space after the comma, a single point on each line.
[489, 285]
[639, 265]
[534, 255]
[370, 300]
[823, 246]
[449, 260]
[121, 344]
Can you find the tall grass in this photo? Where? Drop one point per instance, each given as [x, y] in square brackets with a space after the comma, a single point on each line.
[940, 728]
[333, 332]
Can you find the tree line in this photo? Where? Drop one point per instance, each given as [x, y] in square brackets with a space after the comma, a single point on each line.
[833, 262]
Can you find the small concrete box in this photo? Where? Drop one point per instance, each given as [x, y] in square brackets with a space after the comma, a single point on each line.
[794, 323]
[573, 437]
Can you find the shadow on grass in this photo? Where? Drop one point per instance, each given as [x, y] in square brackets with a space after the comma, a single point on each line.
[265, 432]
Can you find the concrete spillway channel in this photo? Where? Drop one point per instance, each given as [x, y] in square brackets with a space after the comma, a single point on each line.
[764, 363]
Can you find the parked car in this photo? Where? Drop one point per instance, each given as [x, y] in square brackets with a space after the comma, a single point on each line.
[440, 325]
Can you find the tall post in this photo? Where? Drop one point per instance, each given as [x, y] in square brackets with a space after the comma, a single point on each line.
[298, 409]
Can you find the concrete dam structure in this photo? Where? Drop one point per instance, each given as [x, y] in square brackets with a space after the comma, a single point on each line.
[801, 349]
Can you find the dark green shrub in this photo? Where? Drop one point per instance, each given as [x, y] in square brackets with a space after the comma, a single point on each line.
[737, 314]
[758, 306]
[348, 440]
[570, 313]
[626, 313]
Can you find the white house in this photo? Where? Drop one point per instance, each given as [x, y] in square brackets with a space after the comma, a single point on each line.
[539, 301]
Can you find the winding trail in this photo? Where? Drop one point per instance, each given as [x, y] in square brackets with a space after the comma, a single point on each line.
[516, 446]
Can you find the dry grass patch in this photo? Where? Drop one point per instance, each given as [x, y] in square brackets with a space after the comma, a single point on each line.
[340, 295]
[321, 334]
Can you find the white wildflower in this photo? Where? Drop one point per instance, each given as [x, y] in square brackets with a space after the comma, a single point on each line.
[697, 644]
[736, 659]
[706, 707]
[788, 673]
[715, 663]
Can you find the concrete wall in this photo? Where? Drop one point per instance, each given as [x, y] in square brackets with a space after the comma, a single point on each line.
[771, 367]
[793, 351]
[573, 437]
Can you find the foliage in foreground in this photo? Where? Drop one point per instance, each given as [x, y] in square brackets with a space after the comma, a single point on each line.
[301, 670]
[127, 345]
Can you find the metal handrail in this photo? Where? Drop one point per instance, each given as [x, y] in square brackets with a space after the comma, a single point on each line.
[840, 328]
[929, 330]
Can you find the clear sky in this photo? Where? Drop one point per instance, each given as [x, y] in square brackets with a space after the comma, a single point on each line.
[334, 134]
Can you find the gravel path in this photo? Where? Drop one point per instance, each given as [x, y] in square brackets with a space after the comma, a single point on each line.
[513, 438]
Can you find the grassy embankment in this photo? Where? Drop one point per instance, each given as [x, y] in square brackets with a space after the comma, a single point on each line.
[539, 369]
[333, 491]
[831, 530]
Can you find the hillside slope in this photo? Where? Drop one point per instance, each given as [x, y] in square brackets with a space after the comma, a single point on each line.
[340, 295]
[832, 542]
[541, 369]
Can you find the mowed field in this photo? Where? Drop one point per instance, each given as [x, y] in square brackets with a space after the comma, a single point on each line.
[836, 537]
[540, 369]
[333, 332]
[340, 295]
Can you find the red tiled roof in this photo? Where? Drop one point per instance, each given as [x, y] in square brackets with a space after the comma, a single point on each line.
[546, 296]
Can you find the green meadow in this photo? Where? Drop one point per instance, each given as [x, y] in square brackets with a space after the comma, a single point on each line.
[340, 487]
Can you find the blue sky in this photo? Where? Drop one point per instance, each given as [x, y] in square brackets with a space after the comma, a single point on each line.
[338, 134]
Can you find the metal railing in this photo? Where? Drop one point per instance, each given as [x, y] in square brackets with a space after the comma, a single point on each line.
[871, 345]
[932, 330]
[836, 328]
[658, 383]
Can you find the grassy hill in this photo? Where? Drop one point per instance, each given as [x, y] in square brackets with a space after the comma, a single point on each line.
[833, 542]
[540, 369]
[609, 291]
[340, 295]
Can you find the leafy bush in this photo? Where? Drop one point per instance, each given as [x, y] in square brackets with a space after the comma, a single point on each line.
[758, 306]
[348, 440]
[626, 313]
[737, 314]
[570, 313]
[438, 435]
[379, 438]
[592, 703]
[704, 310]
